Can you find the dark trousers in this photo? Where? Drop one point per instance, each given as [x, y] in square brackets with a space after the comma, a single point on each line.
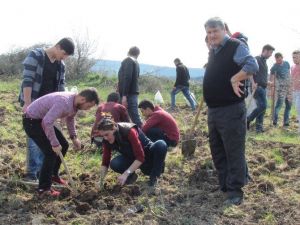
[133, 111]
[227, 132]
[259, 112]
[154, 159]
[51, 162]
[155, 134]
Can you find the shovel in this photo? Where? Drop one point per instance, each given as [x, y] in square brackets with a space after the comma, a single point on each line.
[68, 172]
[189, 145]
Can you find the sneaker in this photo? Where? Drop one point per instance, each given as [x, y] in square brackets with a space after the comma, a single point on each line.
[30, 179]
[286, 125]
[152, 182]
[274, 124]
[50, 192]
[260, 131]
[131, 178]
[58, 180]
[233, 201]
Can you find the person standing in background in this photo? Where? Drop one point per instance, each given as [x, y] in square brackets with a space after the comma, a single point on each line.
[128, 86]
[295, 72]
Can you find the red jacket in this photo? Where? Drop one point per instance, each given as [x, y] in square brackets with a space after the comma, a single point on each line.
[163, 120]
[118, 112]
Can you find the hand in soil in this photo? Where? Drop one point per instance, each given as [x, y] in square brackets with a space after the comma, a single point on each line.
[122, 179]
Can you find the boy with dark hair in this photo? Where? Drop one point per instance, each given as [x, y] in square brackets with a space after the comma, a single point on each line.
[117, 111]
[159, 125]
[38, 122]
[44, 73]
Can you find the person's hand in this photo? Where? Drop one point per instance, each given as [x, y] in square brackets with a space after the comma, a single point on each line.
[57, 149]
[122, 179]
[124, 101]
[254, 86]
[77, 143]
[236, 87]
[25, 106]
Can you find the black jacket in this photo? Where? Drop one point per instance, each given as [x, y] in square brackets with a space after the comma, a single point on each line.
[182, 75]
[128, 75]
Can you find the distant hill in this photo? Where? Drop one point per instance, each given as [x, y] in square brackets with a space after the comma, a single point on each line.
[111, 67]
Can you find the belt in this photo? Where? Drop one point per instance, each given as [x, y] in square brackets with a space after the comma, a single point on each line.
[25, 116]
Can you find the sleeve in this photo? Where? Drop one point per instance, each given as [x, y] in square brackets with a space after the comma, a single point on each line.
[98, 117]
[106, 155]
[70, 121]
[137, 148]
[30, 66]
[54, 113]
[151, 122]
[243, 58]
[61, 82]
[127, 73]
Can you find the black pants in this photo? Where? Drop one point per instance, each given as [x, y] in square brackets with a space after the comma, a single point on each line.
[227, 132]
[154, 162]
[155, 134]
[51, 162]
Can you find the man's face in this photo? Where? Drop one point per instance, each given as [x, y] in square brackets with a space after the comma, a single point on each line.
[279, 60]
[84, 104]
[296, 58]
[215, 35]
[267, 53]
[61, 54]
[146, 112]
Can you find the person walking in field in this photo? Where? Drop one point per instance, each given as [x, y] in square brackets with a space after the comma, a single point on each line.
[182, 84]
[38, 122]
[44, 73]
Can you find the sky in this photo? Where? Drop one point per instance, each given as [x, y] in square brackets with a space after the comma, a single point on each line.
[162, 29]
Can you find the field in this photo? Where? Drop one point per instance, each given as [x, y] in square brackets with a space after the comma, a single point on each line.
[186, 194]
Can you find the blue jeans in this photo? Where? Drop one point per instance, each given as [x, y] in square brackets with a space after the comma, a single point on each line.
[260, 97]
[35, 159]
[155, 134]
[154, 162]
[288, 106]
[186, 92]
[133, 111]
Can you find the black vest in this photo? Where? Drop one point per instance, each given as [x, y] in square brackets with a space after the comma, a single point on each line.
[122, 143]
[217, 88]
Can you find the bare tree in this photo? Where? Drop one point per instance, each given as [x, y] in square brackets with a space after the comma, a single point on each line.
[80, 64]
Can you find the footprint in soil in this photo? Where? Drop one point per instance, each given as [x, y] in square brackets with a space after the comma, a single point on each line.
[266, 187]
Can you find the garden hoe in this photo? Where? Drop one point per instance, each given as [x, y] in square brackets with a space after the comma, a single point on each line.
[189, 142]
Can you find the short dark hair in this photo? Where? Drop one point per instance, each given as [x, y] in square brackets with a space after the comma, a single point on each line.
[296, 52]
[278, 55]
[177, 60]
[113, 97]
[268, 48]
[146, 104]
[134, 51]
[67, 45]
[90, 95]
[106, 123]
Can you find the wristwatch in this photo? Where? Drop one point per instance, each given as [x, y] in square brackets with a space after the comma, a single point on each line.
[128, 172]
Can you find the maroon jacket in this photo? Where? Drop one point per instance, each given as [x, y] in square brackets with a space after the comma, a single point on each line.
[163, 120]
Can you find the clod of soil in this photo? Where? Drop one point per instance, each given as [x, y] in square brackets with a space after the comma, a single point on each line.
[260, 158]
[84, 176]
[88, 196]
[188, 147]
[292, 163]
[271, 165]
[110, 203]
[64, 193]
[256, 173]
[83, 207]
[264, 170]
[266, 187]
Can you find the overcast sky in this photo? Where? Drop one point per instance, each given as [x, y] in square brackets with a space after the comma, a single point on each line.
[162, 29]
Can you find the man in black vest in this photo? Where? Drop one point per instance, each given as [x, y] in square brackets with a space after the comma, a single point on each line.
[128, 84]
[229, 65]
